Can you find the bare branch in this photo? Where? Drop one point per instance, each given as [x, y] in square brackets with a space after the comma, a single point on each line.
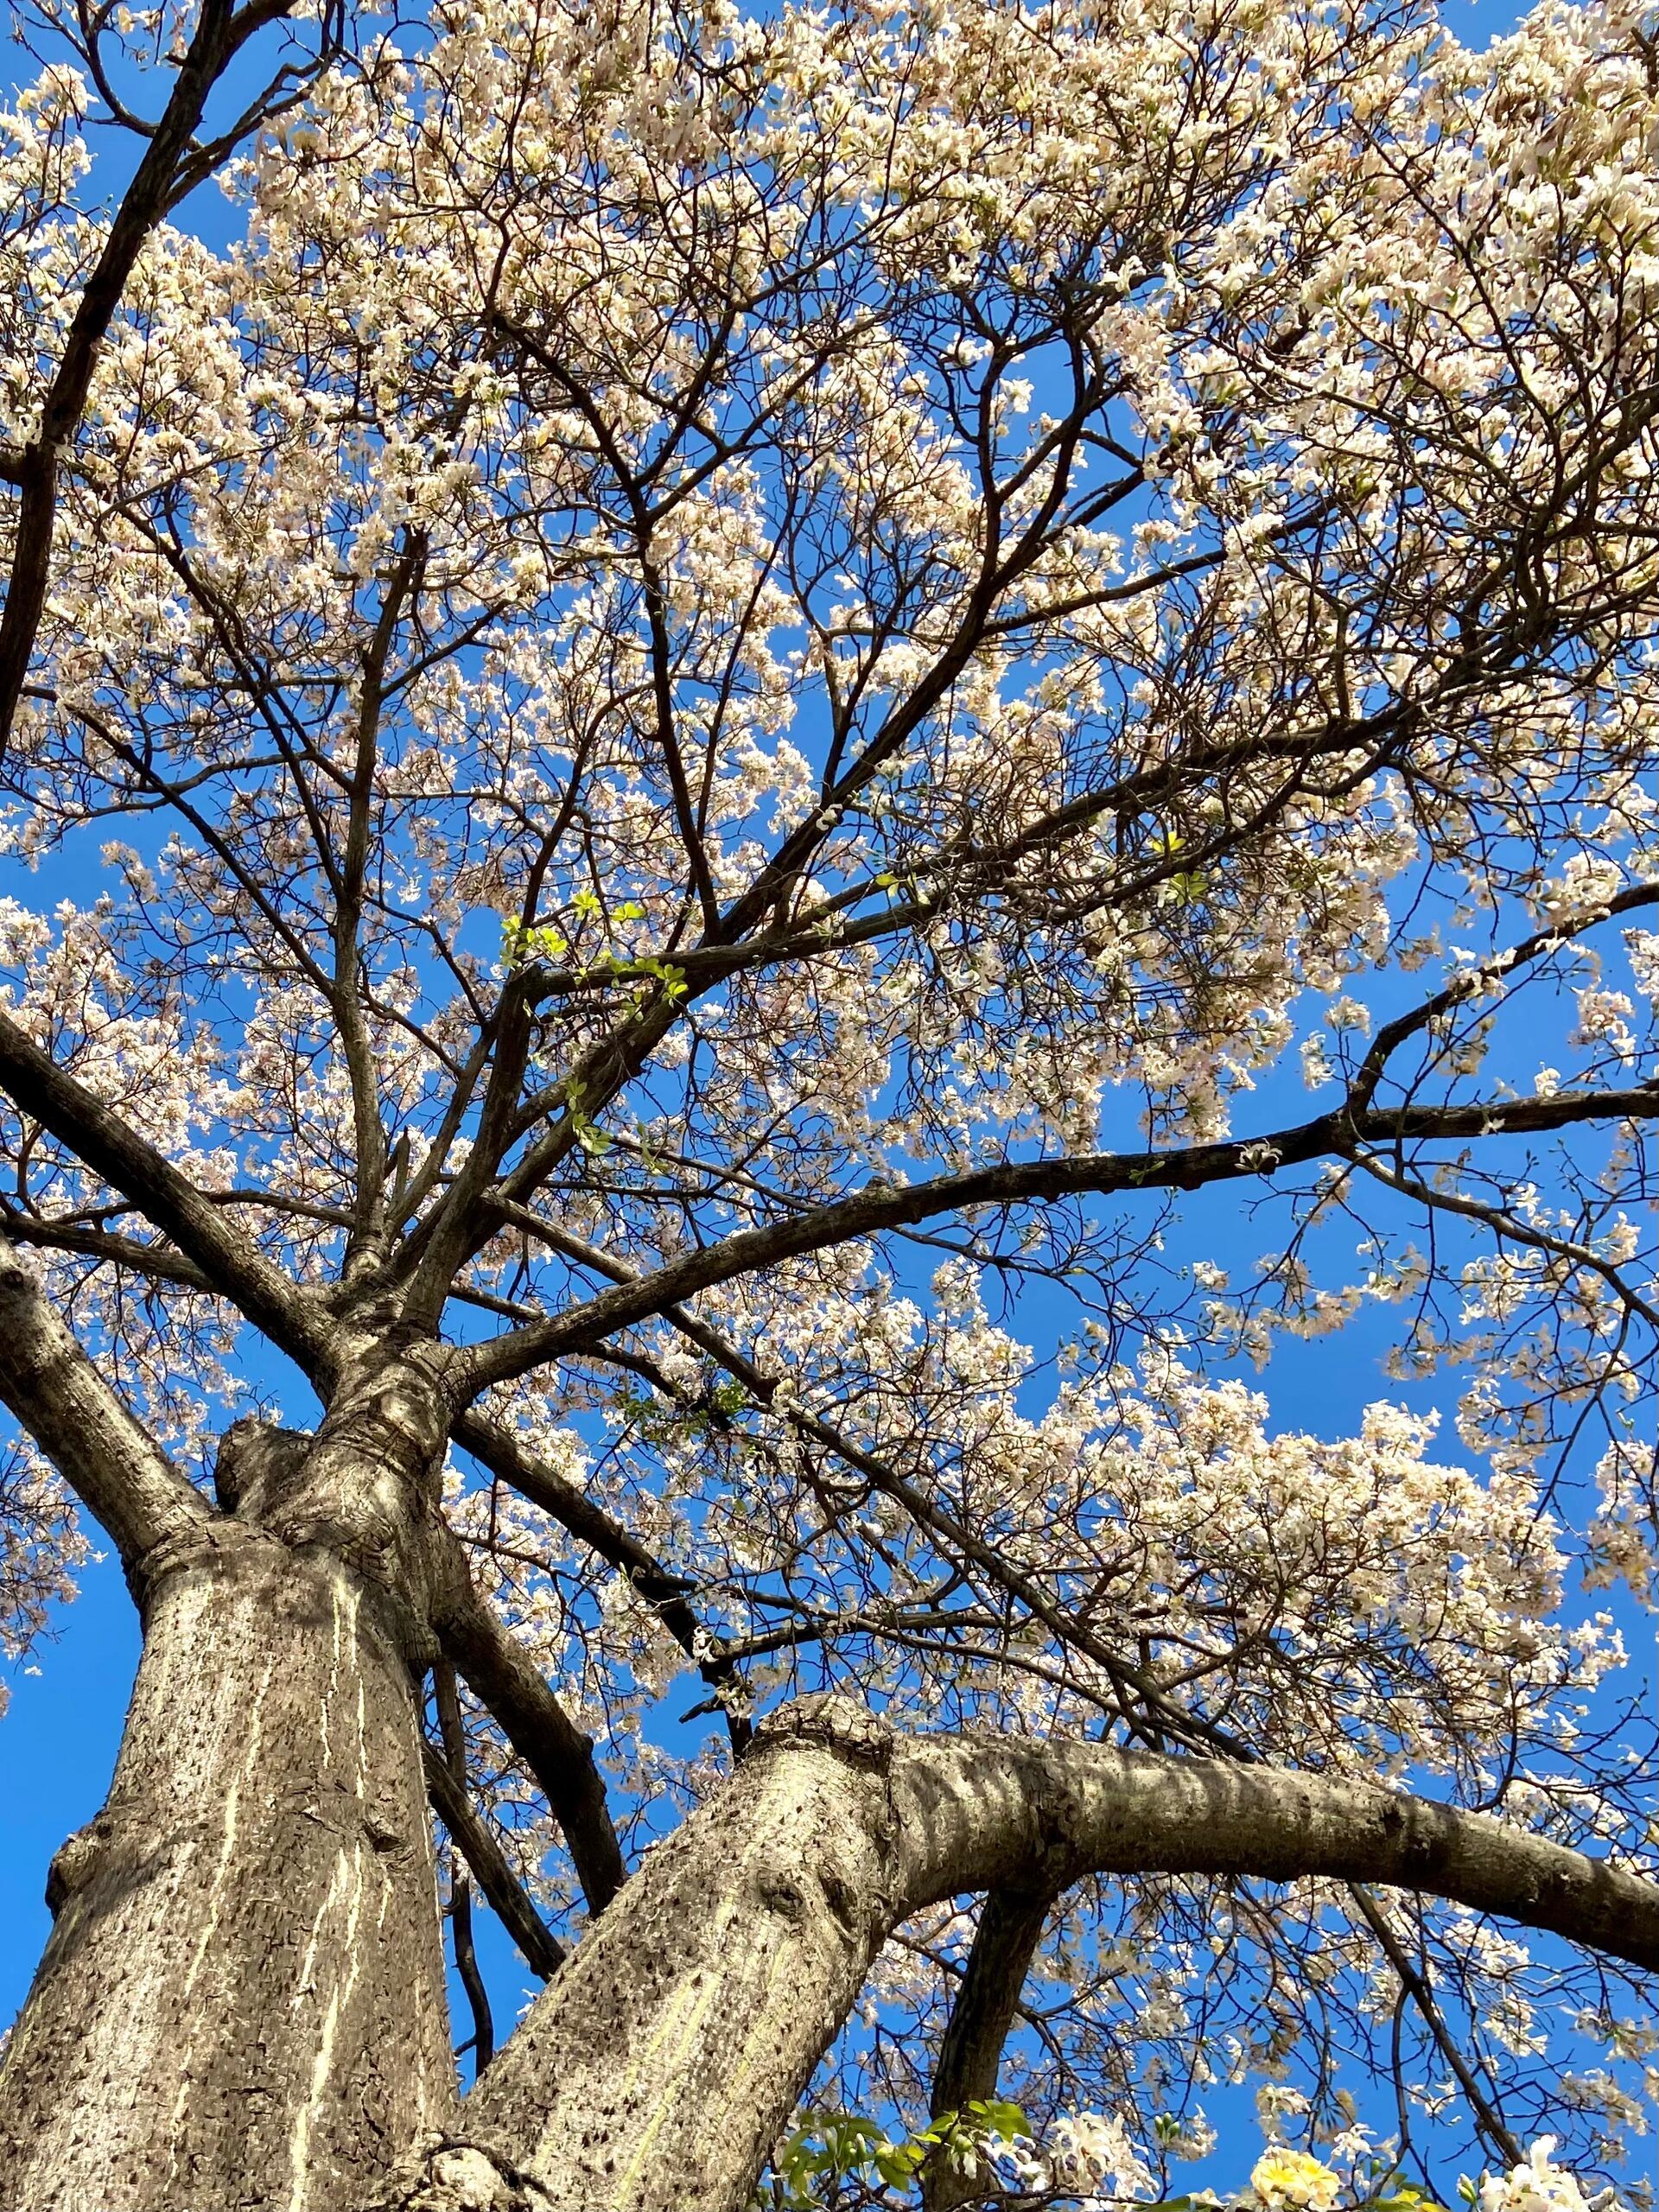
[154, 1262]
[460, 1901]
[1011, 1924]
[542, 1951]
[1488, 2119]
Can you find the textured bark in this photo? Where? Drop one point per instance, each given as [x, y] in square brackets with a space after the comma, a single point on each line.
[655, 2071]
[241, 2006]
[114, 1466]
[458, 2173]
[241, 2003]
[983, 1812]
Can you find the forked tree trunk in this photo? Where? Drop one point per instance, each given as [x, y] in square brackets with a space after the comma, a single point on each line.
[241, 2003]
[241, 2007]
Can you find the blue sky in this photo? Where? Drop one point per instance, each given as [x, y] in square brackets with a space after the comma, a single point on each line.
[59, 1738]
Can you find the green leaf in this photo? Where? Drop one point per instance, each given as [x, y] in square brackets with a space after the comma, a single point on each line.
[997, 2116]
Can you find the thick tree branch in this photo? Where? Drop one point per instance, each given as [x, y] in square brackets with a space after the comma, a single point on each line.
[153, 1260]
[736, 1952]
[609, 1065]
[556, 1752]
[542, 1951]
[444, 1238]
[1014, 1182]
[364, 1247]
[975, 1812]
[1011, 1924]
[108, 1459]
[99, 1135]
[602, 1072]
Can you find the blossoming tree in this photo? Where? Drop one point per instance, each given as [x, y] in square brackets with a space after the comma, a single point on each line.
[697, 730]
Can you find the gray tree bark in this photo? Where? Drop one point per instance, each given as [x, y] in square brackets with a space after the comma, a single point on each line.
[1011, 1923]
[657, 2068]
[241, 2001]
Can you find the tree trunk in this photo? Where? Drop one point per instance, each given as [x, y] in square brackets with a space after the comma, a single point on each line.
[242, 2003]
[656, 2069]
[241, 2006]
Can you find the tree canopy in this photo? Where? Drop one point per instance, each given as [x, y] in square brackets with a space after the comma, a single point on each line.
[766, 773]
